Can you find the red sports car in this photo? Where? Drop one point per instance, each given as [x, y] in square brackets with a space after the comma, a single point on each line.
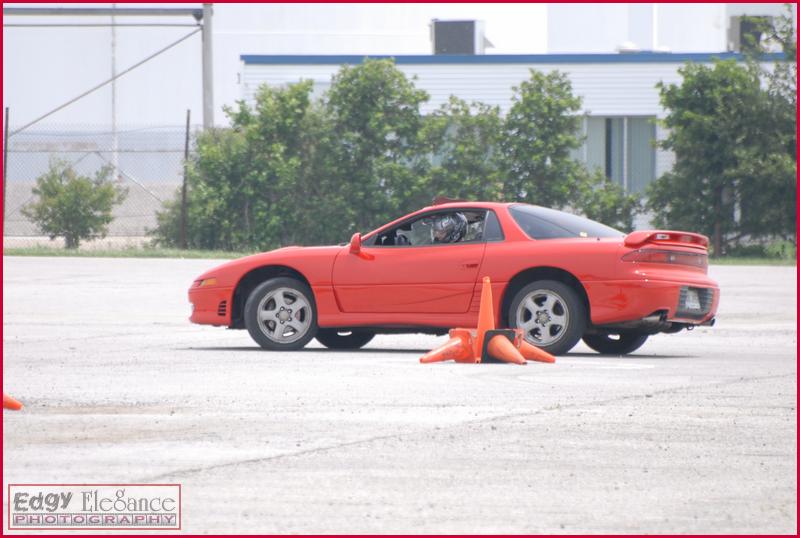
[557, 276]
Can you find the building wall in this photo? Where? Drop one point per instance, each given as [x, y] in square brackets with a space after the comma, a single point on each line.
[607, 86]
[43, 68]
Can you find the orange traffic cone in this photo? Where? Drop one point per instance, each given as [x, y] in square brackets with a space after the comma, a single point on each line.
[458, 348]
[11, 403]
[533, 353]
[485, 343]
[499, 347]
[485, 316]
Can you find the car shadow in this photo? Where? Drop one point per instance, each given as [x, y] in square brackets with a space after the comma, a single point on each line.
[623, 357]
[304, 350]
[368, 350]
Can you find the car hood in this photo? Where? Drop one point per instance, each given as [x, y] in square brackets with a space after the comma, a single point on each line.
[289, 256]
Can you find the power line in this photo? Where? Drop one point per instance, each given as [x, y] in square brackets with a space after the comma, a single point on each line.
[95, 88]
[103, 25]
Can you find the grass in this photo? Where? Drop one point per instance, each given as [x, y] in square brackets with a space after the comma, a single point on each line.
[738, 260]
[149, 252]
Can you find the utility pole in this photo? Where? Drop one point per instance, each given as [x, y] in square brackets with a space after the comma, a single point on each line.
[208, 73]
[183, 241]
[114, 139]
[5, 169]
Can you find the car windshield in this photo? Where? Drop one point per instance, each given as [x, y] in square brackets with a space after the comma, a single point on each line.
[542, 223]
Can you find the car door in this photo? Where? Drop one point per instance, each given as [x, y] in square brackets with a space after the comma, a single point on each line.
[432, 278]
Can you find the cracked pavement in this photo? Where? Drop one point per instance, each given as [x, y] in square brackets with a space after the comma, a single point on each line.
[693, 433]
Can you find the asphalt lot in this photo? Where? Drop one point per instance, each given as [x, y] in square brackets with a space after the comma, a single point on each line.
[695, 432]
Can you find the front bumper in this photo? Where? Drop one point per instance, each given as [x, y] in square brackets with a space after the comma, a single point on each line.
[211, 306]
[625, 300]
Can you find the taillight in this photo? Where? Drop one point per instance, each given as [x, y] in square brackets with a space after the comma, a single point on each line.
[651, 255]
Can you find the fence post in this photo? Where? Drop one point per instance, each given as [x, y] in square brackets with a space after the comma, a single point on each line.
[5, 170]
[183, 241]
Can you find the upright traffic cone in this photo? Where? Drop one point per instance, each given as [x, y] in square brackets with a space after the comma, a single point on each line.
[485, 316]
[11, 403]
[458, 348]
[533, 353]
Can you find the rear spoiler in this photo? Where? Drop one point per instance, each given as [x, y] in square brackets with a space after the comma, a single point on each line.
[684, 239]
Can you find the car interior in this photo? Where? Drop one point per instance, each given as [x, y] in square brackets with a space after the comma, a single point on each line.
[419, 232]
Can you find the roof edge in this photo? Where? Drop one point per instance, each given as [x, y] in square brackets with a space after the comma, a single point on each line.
[401, 59]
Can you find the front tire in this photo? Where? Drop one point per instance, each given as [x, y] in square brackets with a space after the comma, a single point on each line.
[336, 339]
[551, 315]
[280, 314]
[615, 344]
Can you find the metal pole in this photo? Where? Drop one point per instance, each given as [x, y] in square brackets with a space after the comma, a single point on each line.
[208, 63]
[104, 11]
[183, 241]
[5, 169]
[101, 25]
[114, 138]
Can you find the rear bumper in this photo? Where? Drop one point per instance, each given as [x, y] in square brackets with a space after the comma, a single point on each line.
[625, 300]
[211, 306]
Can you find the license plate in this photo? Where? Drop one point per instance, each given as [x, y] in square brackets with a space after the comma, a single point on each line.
[692, 300]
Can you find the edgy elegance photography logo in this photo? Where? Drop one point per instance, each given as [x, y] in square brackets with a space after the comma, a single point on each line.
[94, 506]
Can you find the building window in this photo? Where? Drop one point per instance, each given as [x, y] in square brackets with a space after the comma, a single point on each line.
[622, 148]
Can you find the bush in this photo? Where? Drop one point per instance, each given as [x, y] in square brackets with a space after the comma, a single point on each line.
[73, 206]
[782, 250]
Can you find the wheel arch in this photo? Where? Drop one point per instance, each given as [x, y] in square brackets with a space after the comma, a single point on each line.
[253, 278]
[532, 274]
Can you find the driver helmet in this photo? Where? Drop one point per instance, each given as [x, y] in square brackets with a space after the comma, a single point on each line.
[449, 228]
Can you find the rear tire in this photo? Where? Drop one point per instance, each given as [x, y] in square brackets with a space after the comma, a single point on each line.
[615, 344]
[281, 315]
[336, 339]
[551, 315]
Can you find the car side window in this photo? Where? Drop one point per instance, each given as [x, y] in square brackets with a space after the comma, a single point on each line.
[437, 228]
[492, 230]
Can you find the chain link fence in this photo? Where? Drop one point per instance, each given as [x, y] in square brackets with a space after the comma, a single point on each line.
[148, 162]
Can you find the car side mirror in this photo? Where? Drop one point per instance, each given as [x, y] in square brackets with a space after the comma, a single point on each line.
[355, 248]
[355, 244]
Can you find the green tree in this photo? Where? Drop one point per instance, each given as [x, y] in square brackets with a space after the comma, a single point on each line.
[541, 130]
[463, 141]
[245, 182]
[712, 116]
[278, 147]
[732, 127]
[73, 206]
[373, 153]
[768, 188]
[606, 201]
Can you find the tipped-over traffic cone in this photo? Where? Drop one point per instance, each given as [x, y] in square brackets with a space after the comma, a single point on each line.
[533, 353]
[485, 344]
[485, 315]
[458, 348]
[499, 346]
[11, 403]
